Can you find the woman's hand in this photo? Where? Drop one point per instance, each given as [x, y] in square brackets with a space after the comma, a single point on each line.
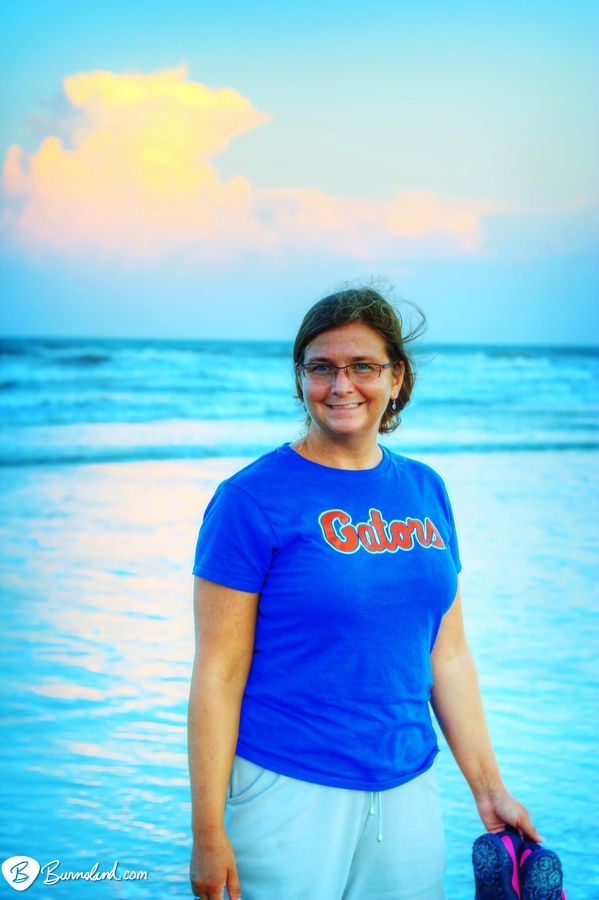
[498, 808]
[212, 867]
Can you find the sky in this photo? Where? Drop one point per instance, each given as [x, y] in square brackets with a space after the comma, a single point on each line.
[193, 170]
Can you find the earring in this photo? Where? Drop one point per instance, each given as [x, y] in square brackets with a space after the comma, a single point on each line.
[393, 406]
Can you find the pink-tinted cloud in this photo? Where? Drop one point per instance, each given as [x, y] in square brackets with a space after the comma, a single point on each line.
[137, 181]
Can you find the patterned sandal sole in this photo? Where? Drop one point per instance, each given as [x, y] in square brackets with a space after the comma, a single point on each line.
[542, 879]
[494, 870]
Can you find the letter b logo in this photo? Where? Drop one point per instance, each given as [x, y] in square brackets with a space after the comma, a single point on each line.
[20, 871]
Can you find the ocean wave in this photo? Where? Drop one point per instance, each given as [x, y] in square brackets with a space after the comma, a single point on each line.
[40, 456]
[8, 348]
[84, 359]
[495, 351]
[80, 399]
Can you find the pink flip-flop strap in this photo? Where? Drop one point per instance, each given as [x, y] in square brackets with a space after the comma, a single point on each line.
[524, 856]
[509, 846]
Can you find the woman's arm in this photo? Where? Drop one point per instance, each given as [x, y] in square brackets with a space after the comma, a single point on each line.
[457, 705]
[225, 622]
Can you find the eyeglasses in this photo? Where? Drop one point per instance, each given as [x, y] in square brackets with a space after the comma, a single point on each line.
[360, 372]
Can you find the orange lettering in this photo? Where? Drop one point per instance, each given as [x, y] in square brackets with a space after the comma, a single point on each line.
[401, 536]
[346, 541]
[378, 524]
[376, 535]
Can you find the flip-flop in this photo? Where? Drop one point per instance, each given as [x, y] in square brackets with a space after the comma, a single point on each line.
[495, 863]
[541, 876]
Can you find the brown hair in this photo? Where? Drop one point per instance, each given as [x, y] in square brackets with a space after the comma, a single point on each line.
[368, 306]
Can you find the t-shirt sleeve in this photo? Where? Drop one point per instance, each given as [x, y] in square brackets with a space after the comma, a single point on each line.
[236, 541]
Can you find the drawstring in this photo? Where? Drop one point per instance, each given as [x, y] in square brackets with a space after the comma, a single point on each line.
[379, 804]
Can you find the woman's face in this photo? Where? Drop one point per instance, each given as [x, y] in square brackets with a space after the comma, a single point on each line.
[343, 408]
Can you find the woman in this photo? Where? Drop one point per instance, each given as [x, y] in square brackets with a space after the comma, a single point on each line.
[328, 613]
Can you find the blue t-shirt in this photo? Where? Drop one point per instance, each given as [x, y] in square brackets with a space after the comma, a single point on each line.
[355, 569]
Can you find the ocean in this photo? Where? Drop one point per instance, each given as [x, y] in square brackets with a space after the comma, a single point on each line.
[110, 450]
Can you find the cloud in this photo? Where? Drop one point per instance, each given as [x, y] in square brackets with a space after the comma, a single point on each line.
[137, 181]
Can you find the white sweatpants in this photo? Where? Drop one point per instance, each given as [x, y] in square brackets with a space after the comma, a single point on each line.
[295, 840]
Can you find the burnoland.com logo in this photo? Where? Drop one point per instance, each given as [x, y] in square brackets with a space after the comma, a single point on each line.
[21, 871]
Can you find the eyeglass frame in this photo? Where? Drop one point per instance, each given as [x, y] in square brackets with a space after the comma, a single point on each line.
[302, 368]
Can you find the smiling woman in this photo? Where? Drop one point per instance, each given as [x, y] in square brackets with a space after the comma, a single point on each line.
[322, 639]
